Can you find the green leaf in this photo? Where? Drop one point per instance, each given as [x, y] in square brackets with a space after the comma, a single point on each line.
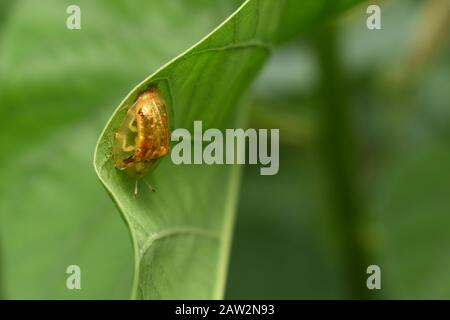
[299, 16]
[181, 234]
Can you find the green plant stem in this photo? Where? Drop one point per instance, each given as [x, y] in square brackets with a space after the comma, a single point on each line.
[338, 153]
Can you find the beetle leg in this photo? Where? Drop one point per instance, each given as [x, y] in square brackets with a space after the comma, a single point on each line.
[135, 189]
[125, 147]
[131, 125]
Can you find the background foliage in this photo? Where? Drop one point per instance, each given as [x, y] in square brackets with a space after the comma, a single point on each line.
[369, 188]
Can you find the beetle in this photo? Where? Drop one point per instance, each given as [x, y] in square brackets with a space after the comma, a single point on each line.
[143, 136]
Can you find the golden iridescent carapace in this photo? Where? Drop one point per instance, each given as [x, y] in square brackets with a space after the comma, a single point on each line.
[143, 136]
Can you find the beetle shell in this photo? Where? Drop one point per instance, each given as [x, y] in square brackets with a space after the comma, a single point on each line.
[143, 136]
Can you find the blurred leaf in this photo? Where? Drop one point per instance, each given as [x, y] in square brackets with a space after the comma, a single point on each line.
[56, 86]
[278, 252]
[412, 216]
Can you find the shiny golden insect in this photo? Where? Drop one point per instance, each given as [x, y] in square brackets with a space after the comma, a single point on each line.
[143, 136]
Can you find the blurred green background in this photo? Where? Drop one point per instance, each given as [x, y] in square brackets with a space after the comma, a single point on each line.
[365, 156]
[364, 153]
